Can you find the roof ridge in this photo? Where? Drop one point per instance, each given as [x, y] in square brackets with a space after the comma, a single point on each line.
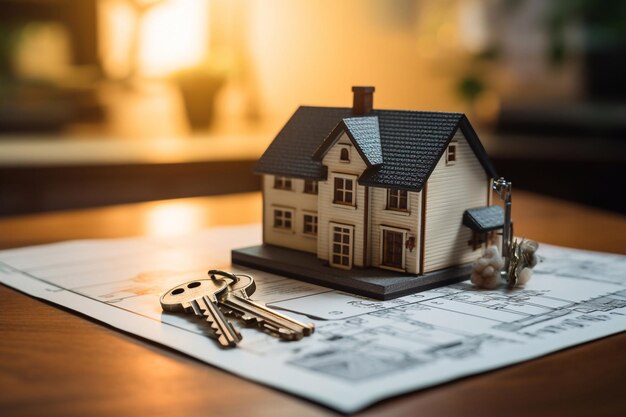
[425, 112]
[375, 111]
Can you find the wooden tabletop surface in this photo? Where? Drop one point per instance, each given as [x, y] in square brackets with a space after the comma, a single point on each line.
[57, 363]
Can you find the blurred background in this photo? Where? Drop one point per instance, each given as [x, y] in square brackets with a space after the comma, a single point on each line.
[114, 101]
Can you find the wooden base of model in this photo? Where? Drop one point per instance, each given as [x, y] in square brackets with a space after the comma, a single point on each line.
[369, 282]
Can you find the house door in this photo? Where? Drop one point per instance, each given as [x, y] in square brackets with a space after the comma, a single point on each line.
[341, 244]
[393, 249]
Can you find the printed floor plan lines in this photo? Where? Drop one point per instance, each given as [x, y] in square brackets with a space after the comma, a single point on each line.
[362, 350]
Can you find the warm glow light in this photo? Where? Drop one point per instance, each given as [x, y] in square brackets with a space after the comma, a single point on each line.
[174, 35]
[173, 219]
[116, 24]
[446, 35]
[474, 24]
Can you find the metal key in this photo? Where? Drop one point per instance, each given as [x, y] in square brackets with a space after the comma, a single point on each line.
[238, 302]
[200, 297]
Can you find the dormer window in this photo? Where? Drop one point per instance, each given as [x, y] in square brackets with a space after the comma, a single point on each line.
[344, 154]
[451, 153]
[282, 183]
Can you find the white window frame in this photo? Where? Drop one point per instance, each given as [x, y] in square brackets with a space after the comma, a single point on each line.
[381, 251]
[284, 210]
[455, 153]
[398, 210]
[337, 175]
[332, 226]
[282, 179]
[316, 222]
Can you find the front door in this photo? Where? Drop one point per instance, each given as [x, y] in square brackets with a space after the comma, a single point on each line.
[341, 244]
[393, 249]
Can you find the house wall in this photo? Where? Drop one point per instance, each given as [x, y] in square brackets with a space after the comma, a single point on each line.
[295, 200]
[406, 221]
[330, 212]
[451, 190]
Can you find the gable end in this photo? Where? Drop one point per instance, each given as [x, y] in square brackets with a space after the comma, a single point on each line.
[364, 134]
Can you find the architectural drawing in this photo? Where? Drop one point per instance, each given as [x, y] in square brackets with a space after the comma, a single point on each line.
[368, 348]
[363, 350]
[393, 339]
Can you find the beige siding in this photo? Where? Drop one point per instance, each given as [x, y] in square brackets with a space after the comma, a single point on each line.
[409, 222]
[451, 190]
[295, 200]
[329, 212]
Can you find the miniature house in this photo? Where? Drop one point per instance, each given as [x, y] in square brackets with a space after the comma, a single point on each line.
[404, 193]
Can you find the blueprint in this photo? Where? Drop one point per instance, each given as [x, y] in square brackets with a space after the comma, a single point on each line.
[363, 350]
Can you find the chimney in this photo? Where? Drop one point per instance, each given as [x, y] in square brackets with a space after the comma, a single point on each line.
[363, 100]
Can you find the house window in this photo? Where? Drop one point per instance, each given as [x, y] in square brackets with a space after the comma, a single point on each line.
[344, 154]
[344, 191]
[283, 219]
[397, 199]
[341, 255]
[282, 183]
[310, 224]
[451, 153]
[310, 187]
[393, 248]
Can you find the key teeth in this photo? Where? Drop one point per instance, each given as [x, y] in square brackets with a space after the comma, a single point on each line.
[239, 306]
[224, 341]
[251, 319]
[213, 324]
[230, 312]
[280, 332]
[261, 324]
[289, 334]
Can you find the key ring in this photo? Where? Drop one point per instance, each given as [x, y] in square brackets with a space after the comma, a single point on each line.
[213, 272]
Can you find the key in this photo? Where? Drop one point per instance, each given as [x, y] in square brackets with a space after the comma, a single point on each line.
[237, 301]
[200, 297]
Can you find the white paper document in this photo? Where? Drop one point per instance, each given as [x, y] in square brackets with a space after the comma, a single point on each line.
[363, 350]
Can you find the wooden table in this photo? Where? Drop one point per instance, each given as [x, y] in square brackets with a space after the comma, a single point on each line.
[57, 363]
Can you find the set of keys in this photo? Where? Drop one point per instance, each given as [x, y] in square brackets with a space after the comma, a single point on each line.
[229, 294]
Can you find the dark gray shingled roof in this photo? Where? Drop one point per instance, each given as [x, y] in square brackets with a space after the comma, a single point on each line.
[364, 133]
[411, 142]
[484, 219]
[291, 152]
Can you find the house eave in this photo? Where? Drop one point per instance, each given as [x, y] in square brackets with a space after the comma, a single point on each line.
[321, 176]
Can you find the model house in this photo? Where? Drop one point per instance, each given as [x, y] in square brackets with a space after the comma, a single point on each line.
[408, 192]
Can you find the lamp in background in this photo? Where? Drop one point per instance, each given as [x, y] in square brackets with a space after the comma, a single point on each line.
[162, 40]
[174, 35]
[152, 38]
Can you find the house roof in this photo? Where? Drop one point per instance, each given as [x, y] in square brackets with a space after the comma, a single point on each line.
[484, 219]
[291, 152]
[363, 132]
[411, 144]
